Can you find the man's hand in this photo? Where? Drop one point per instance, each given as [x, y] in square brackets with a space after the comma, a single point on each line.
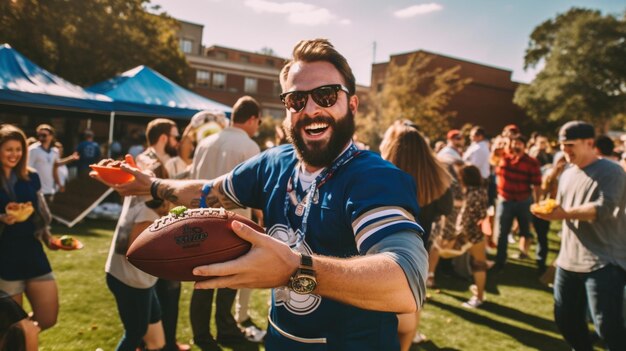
[268, 264]
[557, 214]
[7, 219]
[139, 186]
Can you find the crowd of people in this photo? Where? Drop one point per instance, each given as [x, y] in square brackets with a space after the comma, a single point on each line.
[338, 220]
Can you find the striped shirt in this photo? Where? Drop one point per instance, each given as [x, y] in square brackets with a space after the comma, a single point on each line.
[515, 176]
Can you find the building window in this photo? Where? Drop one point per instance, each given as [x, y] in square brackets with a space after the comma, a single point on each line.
[277, 89]
[269, 62]
[219, 80]
[379, 87]
[221, 55]
[186, 45]
[202, 78]
[250, 85]
[244, 58]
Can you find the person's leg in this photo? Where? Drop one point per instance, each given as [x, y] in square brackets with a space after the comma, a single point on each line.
[241, 307]
[523, 215]
[13, 288]
[43, 295]
[407, 327]
[433, 260]
[155, 336]
[605, 291]
[542, 228]
[570, 309]
[168, 292]
[200, 310]
[224, 320]
[504, 218]
[479, 268]
[133, 306]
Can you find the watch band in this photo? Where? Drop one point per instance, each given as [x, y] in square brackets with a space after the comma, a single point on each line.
[306, 261]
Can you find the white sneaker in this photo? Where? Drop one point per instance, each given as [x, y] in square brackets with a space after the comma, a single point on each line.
[512, 238]
[419, 338]
[254, 334]
[474, 289]
[473, 302]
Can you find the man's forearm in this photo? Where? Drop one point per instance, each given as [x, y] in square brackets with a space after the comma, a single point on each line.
[181, 192]
[350, 281]
[189, 193]
[583, 213]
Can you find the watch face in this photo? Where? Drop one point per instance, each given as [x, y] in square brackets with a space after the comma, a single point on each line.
[303, 284]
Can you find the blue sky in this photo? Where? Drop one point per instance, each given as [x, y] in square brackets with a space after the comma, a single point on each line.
[491, 32]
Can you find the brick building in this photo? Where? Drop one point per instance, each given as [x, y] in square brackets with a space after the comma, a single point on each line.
[225, 74]
[487, 100]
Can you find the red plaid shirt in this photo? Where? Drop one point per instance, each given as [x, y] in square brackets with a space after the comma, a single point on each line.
[515, 175]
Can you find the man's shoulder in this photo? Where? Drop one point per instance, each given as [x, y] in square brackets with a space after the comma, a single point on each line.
[34, 147]
[608, 168]
[531, 160]
[280, 152]
[370, 164]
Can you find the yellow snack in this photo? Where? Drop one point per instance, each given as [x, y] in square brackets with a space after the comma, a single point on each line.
[20, 210]
[544, 207]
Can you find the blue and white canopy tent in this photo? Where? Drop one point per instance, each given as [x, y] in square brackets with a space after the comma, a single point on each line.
[138, 92]
[142, 87]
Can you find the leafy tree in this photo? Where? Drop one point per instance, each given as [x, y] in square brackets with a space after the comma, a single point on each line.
[584, 73]
[266, 50]
[413, 90]
[88, 41]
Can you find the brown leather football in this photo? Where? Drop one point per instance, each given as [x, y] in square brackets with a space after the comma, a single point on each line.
[173, 245]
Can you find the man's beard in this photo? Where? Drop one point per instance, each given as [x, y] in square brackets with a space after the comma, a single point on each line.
[170, 150]
[318, 153]
[517, 150]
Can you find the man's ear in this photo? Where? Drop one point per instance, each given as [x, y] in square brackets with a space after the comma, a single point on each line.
[353, 104]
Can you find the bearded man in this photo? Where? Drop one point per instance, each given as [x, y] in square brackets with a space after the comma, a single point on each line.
[343, 252]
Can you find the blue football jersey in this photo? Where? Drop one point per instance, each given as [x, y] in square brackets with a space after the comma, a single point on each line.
[363, 201]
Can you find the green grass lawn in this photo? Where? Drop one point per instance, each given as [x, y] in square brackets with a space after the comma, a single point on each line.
[516, 316]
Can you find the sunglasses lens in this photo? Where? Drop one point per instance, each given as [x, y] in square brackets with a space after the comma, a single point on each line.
[295, 101]
[324, 96]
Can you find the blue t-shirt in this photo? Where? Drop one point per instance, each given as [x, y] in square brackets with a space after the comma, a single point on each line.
[89, 153]
[363, 201]
[21, 254]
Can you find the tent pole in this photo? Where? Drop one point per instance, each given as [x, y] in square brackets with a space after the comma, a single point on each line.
[111, 123]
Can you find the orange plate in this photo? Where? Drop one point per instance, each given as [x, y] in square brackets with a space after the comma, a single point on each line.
[56, 243]
[113, 175]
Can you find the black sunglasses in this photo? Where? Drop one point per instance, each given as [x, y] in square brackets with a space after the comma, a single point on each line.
[177, 137]
[324, 96]
[43, 135]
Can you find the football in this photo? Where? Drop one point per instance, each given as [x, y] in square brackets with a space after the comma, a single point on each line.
[172, 246]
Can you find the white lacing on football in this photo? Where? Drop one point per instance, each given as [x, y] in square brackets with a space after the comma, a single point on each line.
[196, 212]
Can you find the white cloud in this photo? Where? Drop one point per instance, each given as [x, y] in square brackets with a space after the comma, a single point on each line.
[297, 12]
[417, 10]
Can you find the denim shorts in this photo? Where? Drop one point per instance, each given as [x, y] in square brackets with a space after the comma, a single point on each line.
[16, 287]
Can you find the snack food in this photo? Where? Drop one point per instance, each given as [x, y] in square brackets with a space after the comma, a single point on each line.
[66, 240]
[544, 207]
[20, 210]
[109, 170]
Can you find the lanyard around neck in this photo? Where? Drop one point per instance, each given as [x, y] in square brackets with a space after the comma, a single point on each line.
[304, 207]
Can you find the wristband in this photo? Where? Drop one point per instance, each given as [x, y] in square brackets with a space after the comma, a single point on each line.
[206, 189]
[154, 188]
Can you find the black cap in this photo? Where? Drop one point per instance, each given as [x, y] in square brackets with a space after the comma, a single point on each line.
[576, 130]
[10, 312]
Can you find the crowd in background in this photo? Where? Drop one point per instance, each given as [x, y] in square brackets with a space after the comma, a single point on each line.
[474, 201]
